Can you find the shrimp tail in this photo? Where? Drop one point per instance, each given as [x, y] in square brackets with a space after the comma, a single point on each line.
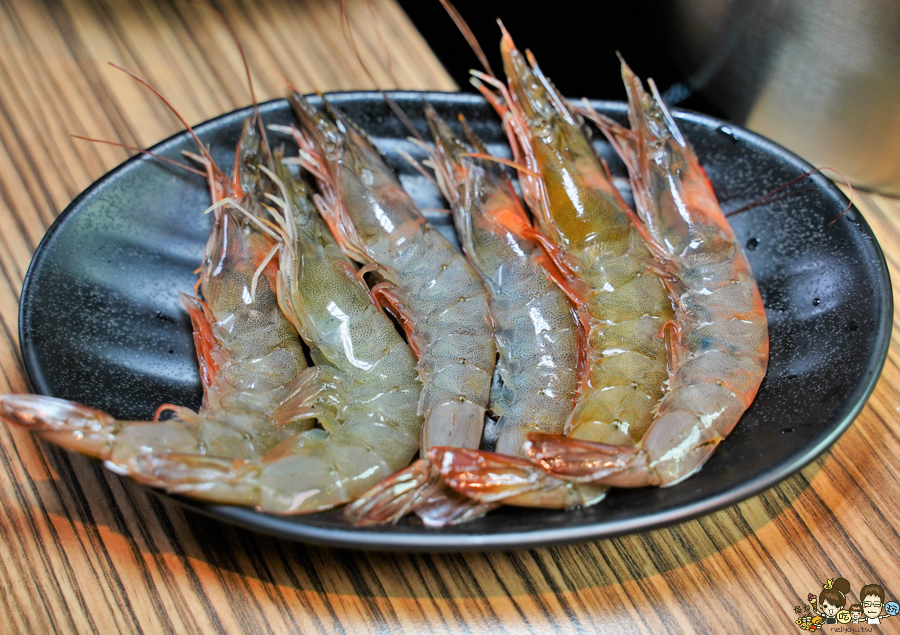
[65, 423]
[583, 461]
[394, 497]
[419, 488]
[455, 485]
[97, 434]
[448, 507]
[488, 477]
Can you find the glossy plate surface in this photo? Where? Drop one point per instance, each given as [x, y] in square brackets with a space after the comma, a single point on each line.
[101, 322]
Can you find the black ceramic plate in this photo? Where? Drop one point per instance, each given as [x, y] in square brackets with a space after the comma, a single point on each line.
[101, 322]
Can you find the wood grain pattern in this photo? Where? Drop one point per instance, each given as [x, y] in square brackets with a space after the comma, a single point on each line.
[84, 551]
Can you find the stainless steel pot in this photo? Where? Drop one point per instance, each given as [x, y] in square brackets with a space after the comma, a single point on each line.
[821, 77]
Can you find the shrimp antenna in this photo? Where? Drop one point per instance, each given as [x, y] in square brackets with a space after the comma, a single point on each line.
[348, 34]
[468, 35]
[484, 156]
[417, 165]
[401, 115]
[240, 48]
[389, 60]
[548, 86]
[169, 105]
[770, 197]
[142, 151]
[347, 28]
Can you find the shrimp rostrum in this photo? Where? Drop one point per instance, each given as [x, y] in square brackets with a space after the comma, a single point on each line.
[720, 345]
[427, 284]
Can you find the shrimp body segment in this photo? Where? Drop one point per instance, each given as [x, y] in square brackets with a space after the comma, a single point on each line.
[428, 285]
[624, 304]
[721, 345]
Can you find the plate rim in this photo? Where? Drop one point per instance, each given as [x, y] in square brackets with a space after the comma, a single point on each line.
[434, 540]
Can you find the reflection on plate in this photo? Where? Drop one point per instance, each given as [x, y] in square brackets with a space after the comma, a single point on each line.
[101, 322]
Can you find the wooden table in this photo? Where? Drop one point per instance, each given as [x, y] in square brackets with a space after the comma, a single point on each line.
[82, 550]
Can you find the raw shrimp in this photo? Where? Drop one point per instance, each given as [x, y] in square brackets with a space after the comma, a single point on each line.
[624, 305]
[242, 448]
[536, 329]
[428, 284]
[364, 388]
[720, 347]
[537, 337]
[248, 351]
